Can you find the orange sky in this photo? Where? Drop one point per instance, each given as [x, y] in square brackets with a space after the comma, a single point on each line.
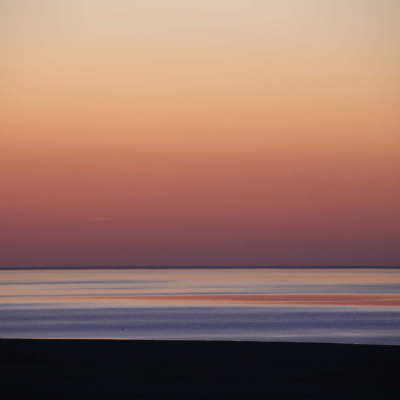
[199, 133]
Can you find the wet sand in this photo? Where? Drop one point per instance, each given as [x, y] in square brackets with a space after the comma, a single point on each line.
[127, 369]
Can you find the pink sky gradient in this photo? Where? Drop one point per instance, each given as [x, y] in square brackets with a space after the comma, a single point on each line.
[199, 133]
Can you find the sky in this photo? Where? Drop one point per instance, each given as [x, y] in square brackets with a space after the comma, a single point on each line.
[213, 132]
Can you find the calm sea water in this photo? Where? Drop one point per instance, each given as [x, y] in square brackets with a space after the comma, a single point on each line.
[351, 306]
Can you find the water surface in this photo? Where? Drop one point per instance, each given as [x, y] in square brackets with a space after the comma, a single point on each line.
[353, 306]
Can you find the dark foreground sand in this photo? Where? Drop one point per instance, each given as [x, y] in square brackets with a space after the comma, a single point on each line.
[109, 369]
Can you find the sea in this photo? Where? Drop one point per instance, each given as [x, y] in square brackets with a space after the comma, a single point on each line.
[235, 304]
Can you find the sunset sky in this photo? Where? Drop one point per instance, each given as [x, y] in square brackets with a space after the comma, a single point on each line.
[212, 132]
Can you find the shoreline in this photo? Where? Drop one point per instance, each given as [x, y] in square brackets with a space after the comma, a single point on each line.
[271, 342]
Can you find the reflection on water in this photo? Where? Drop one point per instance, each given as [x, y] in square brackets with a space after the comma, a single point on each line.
[360, 306]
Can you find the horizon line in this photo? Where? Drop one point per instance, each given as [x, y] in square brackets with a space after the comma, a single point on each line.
[168, 267]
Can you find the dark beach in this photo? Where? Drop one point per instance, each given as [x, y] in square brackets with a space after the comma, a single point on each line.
[109, 369]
